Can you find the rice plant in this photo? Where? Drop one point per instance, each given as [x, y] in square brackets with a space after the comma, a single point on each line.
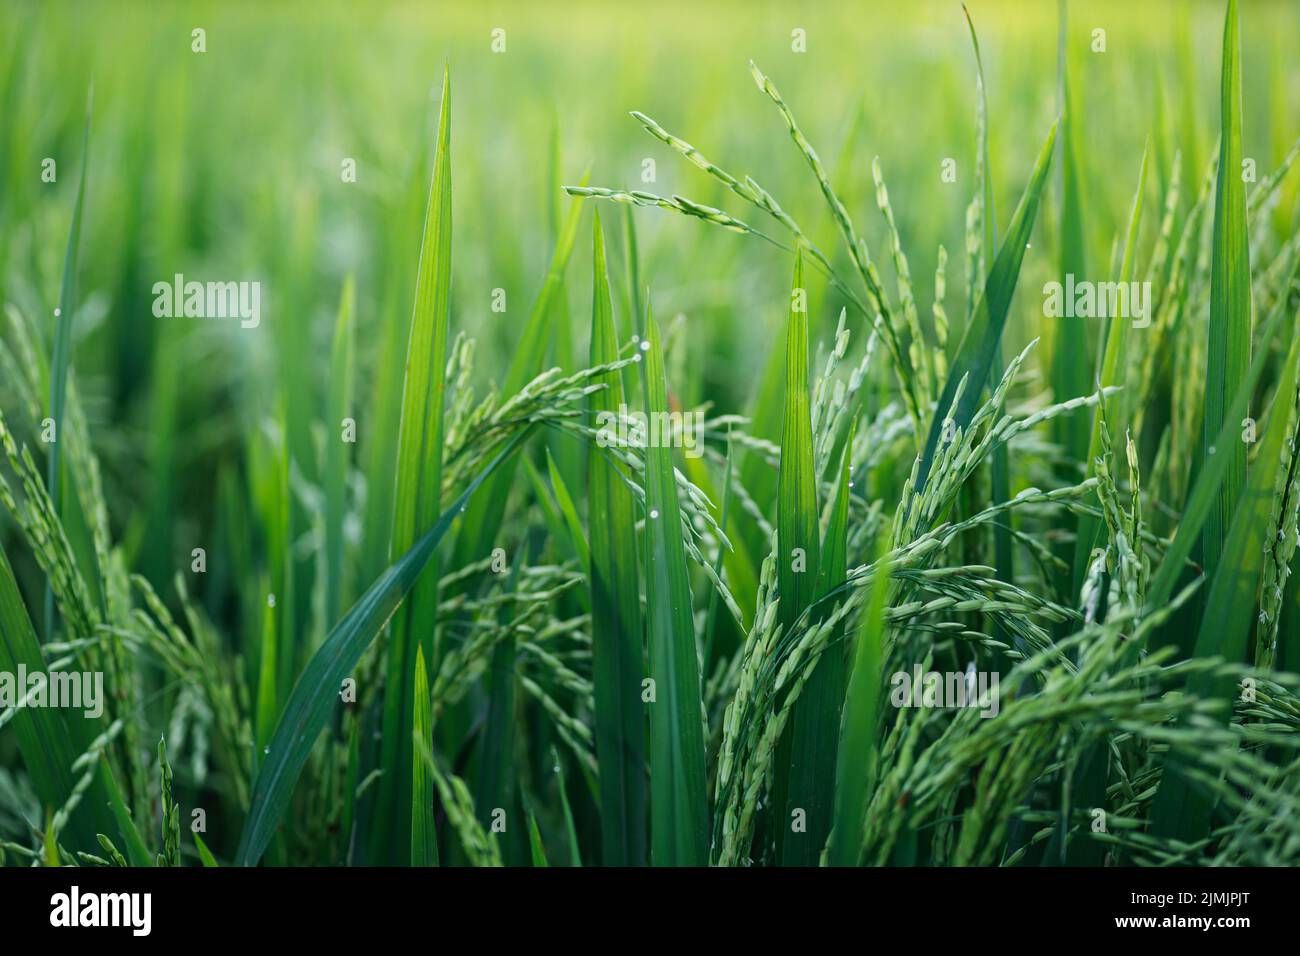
[663, 522]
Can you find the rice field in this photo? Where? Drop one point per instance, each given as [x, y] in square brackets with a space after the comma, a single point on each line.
[700, 435]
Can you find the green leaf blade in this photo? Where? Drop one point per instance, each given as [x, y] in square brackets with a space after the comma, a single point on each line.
[1228, 356]
[678, 799]
[418, 488]
[858, 756]
[617, 653]
[810, 770]
[424, 843]
[342, 376]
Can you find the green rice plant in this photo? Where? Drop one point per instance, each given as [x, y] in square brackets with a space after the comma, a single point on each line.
[887, 573]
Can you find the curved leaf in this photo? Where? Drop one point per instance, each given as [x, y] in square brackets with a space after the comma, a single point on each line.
[312, 700]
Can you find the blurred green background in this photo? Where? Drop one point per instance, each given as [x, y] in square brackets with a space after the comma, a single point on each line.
[226, 165]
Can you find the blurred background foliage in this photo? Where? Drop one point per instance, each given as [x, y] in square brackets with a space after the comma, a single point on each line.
[226, 165]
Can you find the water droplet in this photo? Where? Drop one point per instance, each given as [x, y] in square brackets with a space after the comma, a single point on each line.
[270, 600]
[645, 346]
[266, 750]
[1210, 450]
[58, 312]
[654, 512]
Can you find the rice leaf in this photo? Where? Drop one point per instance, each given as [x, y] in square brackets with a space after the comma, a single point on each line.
[859, 757]
[617, 652]
[267, 701]
[570, 829]
[418, 488]
[424, 841]
[1070, 365]
[342, 373]
[1228, 355]
[569, 511]
[805, 818]
[384, 409]
[678, 802]
[566, 543]
[765, 415]
[535, 846]
[62, 357]
[205, 855]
